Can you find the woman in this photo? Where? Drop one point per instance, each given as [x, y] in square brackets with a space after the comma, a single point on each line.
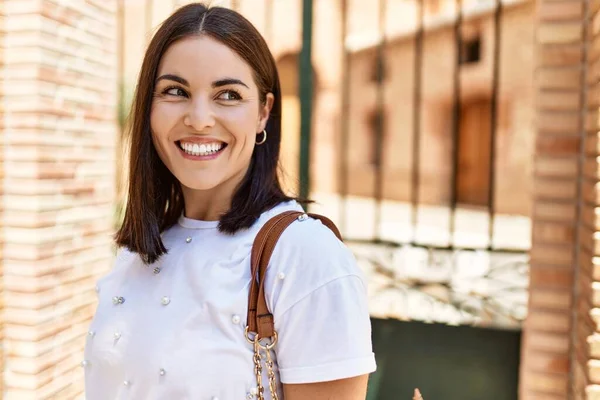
[205, 138]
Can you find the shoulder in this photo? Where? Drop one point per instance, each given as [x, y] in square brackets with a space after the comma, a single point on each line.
[307, 234]
[308, 257]
[313, 280]
[124, 260]
[310, 237]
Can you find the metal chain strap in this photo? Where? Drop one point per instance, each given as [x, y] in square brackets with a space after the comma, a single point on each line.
[258, 370]
[258, 365]
[271, 373]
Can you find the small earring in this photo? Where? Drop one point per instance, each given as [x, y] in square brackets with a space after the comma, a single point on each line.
[264, 138]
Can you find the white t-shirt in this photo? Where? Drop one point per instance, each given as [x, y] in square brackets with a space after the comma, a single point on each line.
[179, 334]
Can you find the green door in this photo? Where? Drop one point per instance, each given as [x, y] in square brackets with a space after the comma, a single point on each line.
[445, 362]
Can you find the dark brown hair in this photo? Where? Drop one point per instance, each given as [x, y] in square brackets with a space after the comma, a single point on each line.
[155, 200]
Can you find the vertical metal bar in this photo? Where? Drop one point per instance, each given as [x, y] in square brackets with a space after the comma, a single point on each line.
[494, 121]
[306, 96]
[416, 139]
[380, 110]
[456, 111]
[344, 120]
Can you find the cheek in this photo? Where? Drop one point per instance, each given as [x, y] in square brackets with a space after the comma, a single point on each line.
[242, 126]
[161, 120]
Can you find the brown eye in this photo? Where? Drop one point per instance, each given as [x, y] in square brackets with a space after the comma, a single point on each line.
[229, 95]
[175, 91]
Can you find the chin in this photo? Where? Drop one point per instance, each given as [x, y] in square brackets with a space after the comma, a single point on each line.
[199, 185]
[201, 180]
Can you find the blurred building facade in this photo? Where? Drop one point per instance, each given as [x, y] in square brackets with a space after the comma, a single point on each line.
[404, 87]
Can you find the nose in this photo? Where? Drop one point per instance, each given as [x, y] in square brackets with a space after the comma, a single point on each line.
[200, 114]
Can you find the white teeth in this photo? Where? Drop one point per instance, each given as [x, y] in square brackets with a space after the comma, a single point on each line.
[204, 149]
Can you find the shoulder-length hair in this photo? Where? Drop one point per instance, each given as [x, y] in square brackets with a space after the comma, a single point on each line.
[155, 200]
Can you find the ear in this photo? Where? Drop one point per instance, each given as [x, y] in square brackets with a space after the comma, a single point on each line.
[264, 112]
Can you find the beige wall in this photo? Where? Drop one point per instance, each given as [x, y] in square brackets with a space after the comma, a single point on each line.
[58, 135]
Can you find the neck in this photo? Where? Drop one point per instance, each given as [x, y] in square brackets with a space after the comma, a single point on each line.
[210, 204]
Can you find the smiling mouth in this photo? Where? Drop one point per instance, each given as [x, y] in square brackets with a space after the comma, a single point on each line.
[201, 150]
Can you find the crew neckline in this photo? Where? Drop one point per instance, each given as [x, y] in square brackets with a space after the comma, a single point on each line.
[202, 224]
[197, 223]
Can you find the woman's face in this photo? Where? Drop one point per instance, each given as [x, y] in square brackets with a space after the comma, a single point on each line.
[206, 113]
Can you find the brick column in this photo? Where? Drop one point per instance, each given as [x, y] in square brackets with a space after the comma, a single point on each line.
[559, 343]
[58, 134]
[586, 339]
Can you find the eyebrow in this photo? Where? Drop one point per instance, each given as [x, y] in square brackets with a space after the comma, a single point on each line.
[228, 81]
[170, 77]
[215, 84]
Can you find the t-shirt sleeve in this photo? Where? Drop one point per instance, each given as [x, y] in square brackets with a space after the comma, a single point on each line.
[327, 335]
[320, 308]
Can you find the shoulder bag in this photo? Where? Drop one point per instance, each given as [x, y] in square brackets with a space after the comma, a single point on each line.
[260, 329]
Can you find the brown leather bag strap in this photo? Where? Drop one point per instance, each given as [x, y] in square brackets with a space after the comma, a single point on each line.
[258, 248]
[328, 223]
[260, 319]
